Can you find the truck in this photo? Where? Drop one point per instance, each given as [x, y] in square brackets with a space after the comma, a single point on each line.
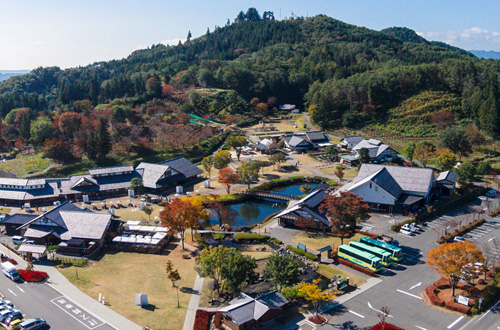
[10, 271]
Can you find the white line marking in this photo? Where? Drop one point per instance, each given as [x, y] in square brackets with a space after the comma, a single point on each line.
[12, 292]
[356, 314]
[17, 286]
[491, 239]
[83, 310]
[412, 295]
[456, 321]
[420, 327]
[418, 284]
[376, 310]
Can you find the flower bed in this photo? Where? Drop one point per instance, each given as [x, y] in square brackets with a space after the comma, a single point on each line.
[32, 276]
[202, 319]
[317, 319]
[431, 294]
[386, 326]
[356, 266]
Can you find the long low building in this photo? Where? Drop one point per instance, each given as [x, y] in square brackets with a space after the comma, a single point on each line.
[99, 182]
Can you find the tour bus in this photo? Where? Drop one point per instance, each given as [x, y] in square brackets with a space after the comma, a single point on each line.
[397, 252]
[359, 257]
[385, 256]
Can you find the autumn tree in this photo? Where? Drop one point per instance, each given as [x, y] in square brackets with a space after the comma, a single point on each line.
[180, 215]
[278, 158]
[262, 109]
[466, 173]
[248, 172]
[474, 136]
[312, 293]
[69, 123]
[208, 164]
[237, 142]
[58, 150]
[449, 259]
[409, 150]
[282, 270]
[339, 172]
[227, 178]
[305, 188]
[222, 158]
[446, 160]
[424, 151]
[344, 212]
[172, 274]
[303, 223]
[153, 87]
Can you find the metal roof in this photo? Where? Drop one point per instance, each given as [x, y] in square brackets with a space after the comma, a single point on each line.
[87, 225]
[113, 169]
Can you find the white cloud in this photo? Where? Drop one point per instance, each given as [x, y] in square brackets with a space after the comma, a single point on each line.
[40, 42]
[470, 38]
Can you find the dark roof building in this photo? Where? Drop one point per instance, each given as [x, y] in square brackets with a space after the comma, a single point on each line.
[307, 140]
[306, 208]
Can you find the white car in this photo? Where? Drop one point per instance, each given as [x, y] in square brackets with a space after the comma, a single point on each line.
[406, 231]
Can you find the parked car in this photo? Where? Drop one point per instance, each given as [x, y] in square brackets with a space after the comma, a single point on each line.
[459, 239]
[6, 313]
[32, 324]
[12, 317]
[385, 238]
[15, 325]
[415, 227]
[18, 239]
[406, 231]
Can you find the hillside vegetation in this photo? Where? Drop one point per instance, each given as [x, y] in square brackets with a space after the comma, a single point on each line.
[345, 76]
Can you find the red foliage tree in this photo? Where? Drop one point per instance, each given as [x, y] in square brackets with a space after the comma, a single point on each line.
[344, 211]
[167, 90]
[227, 177]
[180, 215]
[69, 123]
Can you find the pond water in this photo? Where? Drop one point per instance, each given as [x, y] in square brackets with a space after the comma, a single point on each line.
[246, 214]
[295, 189]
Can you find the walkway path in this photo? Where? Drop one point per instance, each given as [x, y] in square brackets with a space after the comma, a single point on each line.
[59, 283]
[194, 302]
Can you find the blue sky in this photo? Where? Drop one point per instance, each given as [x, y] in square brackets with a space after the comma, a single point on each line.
[71, 33]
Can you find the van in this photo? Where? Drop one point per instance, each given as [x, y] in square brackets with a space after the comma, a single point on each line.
[18, 239]
[32, 324]
[10, 271]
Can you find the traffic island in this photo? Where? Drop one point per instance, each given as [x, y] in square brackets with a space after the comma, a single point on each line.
[32, 275]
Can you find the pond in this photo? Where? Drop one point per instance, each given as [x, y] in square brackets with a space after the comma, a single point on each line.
[246, 214]
[295, 189]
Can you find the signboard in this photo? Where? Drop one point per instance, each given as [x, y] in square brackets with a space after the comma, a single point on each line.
[131, 193]
[462, 300]
[302, 247]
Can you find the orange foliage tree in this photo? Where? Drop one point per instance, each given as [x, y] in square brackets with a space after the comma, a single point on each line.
[344, 211]
[227, 178]
[449, 260]
[180, 215]
[69, 123]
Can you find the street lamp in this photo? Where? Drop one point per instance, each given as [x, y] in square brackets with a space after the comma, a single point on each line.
[177, 287]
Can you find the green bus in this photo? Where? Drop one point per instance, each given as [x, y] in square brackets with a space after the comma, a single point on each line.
[397, 252]
[359, 257]
[384, 255]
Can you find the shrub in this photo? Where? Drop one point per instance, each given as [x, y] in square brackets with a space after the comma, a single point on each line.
[218, 320]
[32, 276]
[474, 311]
[462, 231]
[386, 326]
[250, 237]
[276, 241]
[302, 253]
[451, 305]
[202, 319]
[480, 281]
[291, 293]
[430, 292]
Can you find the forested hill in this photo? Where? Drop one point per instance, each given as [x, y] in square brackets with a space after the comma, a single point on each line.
[346, 75]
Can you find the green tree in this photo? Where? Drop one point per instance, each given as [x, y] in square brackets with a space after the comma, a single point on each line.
[455, 139]
[446, 160]
[278, 158]
[222, 158]
[252, 15]
[364, 155]
[237, 142]
[466, 173]
[103, 141]
[282, 270]
[208, 164]
[137, 185]
[248, 172]
[424, 151]
[41, 129]
[238, 271]
[331, 152]
[409, 150]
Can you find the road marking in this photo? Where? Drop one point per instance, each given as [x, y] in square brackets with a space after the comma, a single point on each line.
[412, 295]
[77, 312]
[12, 292]
[420, 327]
[356, 314]
[376, 310]
[17, 286]
[491, 239]
[418, 284]
[456, 321]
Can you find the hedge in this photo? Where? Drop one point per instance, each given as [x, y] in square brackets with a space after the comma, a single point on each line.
[371, 235]
[462, 231]
[232, 198]
[451, 305]
[386, 326]
[429, 291]
[202, 319]
[250, 237]
[494, 213]
[302, 253]
[276, 241]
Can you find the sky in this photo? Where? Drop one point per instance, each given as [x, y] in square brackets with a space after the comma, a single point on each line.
[69, 33]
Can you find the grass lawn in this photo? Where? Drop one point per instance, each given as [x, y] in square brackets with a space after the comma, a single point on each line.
[131, 213]
[329, 271]
[299, 119]
[317, 240]
[23, 165]
[258, 255]
[4, 210]
[308, 160]
[120, 276]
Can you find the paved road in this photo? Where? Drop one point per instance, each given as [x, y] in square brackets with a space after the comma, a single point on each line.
[40, 300]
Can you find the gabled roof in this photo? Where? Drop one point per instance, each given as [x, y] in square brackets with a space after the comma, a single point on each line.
[316, 136]
[447, 176]
[410, 179]
[245, 308]
[307, 207]
[384, 180]
[184, 166]
[83, 224]
[17, 219]
[353, 139]
[110, 170]
[85, 180]
[21, 182]
[152, 173]
[54, 215]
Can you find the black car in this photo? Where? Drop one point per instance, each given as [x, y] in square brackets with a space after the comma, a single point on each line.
[12, 317]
